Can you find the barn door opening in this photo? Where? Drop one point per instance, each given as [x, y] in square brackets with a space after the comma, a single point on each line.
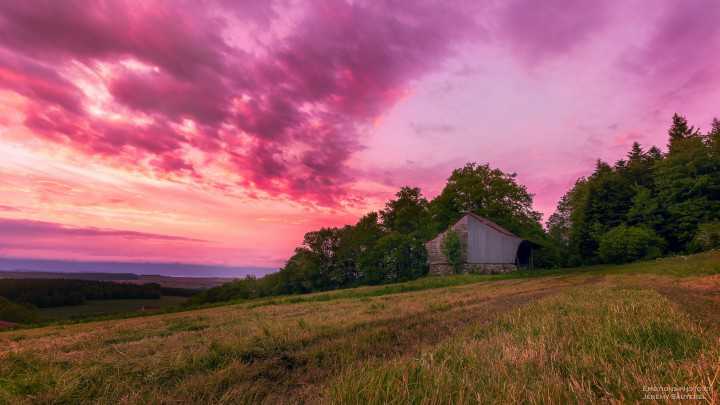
[524, 255]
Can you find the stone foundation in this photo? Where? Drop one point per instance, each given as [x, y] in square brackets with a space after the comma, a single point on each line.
[489, 268]
[440, 269]
[444, 269]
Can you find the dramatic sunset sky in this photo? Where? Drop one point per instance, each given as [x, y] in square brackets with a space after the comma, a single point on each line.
[221, 131]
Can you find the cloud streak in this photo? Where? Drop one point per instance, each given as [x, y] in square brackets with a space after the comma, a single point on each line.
[23, 228]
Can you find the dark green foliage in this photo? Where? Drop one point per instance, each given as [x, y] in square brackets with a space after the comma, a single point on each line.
[670, 194]
[46, 293]
[395, 257]
[18, 313]
[490, 193]
[707, 237]
[408, 214]
[629, 243]
[389, 246]
[452, 248]
[679, 131]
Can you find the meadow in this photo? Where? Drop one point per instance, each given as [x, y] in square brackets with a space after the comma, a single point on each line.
[603, 333]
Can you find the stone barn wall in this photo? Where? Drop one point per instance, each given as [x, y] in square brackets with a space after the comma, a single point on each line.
[436, 259]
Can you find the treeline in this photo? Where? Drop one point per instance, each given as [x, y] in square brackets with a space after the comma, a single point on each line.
[44, 293]
[388, 246]
[653, 203]
[647, 205]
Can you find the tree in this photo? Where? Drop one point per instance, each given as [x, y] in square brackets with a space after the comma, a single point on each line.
[670, 194]
[713, 138]
[679, 131]
[355, 242]
[598, 204]
[636, 153]
[396, 257]
[687, 184]
[452, 249]
[323, 244]
[407, 213]
[559, 227]
[714, 128]
[490, 193]
[707, 237]
[654, 153]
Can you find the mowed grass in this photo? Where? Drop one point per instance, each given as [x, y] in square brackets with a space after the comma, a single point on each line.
[595, 334]
[584, 345]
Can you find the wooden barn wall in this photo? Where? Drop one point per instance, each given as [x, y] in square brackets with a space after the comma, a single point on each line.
[487, 245]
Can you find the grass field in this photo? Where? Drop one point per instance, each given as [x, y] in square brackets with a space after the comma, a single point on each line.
[108, 307]
[594, 334]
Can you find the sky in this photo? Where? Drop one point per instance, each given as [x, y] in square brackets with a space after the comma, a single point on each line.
[219, 132]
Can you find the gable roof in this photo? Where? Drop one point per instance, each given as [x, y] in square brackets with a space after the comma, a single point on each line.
[491, 224]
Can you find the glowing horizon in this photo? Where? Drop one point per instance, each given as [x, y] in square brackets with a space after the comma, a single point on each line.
[211, 132]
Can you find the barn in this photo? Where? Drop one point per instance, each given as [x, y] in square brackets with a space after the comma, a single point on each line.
[487, 248]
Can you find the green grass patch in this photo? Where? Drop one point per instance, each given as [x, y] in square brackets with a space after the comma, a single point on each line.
[23, 375]
[97, 308]
[186, 325]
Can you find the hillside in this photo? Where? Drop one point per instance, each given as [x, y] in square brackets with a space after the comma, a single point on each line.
[193, 283]
[587, 334]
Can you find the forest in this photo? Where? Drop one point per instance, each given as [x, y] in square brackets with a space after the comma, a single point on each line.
[45, 293]
[650, 204]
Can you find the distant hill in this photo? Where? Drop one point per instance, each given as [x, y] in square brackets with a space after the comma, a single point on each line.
[132, 268]
[74, 276]
[192, 283]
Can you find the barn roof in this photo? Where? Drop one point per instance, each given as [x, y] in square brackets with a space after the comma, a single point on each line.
[491, 224]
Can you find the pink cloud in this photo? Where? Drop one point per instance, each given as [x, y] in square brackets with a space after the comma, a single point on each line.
[297, 112]
[204, 99]
[171, 34]
[677, 62]
[37, 82]
[541, 29]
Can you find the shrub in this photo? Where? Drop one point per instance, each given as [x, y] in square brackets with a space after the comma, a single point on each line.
[707, 237]
[624, 244]
[452, 249]
[12, 312]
